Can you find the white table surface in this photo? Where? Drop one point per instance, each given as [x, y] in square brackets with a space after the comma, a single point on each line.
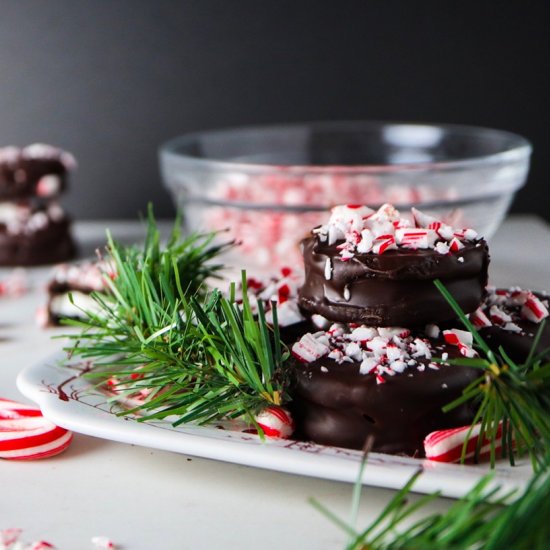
[145, 499]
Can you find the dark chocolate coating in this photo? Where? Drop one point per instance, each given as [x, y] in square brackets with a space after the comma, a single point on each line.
[518, 345]
[394, 288]
[49, 245]
[18, 179]
[341, 407]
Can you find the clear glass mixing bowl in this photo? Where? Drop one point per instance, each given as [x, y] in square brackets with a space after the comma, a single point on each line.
[270, 185]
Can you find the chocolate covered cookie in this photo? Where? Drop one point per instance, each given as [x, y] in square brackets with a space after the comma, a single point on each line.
[511, 318]
[37, 170]
[378, 268]
[359, 381]
[34, 235]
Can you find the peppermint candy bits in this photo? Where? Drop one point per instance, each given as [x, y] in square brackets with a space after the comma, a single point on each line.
[275, 422]
[533, 309]
[462, 339]
[26, 435]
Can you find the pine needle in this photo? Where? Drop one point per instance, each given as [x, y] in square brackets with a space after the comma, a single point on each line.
[511, 396]
[485, 517]
[160, 330]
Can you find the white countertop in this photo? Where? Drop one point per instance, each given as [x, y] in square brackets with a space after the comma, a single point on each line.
[146, 499]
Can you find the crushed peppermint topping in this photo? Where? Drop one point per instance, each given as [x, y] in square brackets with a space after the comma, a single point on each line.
[462, 339]
[383, 351]
[432, 331]
[505, 307]
[359, 229]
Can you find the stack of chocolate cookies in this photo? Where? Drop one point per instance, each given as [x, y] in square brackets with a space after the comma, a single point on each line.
[370, 368]
[34, 229]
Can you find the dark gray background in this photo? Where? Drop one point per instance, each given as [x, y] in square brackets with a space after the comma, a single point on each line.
[111, 80]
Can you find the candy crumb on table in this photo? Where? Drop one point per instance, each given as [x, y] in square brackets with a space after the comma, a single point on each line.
[10, 539]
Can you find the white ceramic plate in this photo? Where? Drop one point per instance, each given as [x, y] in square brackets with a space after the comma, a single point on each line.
[67, 398]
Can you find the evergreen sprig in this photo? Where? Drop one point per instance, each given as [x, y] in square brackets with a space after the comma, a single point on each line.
[485, 517]
[196, 353]
[513, 400]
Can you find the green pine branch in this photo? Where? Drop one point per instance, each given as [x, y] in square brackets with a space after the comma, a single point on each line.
[485, 517]
[199, 355]
[509, 396]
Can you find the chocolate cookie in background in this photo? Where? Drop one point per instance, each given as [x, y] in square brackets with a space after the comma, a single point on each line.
[79, 281]
[37, 170]
[378, 268]
[511, 318]
[34, 235]
[34, 229]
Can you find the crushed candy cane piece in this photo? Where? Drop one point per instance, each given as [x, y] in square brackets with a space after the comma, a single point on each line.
[9, 536]
[415, 238]
[309, 348]
[534, 310]
[499, 316]
[442, 248]
[455, 245]
[421, 348]
[40, 545]
[368, 364]
[10, 539]
[479, 319]
[383, 243]
[432, 331]
[512, 327]
[455, 335]
[103, 543]
[462, 339]
[362, 334]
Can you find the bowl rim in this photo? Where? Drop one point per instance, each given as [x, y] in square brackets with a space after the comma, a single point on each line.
[169, 149]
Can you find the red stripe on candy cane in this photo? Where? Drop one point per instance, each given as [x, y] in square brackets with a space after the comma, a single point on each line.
[447, 445]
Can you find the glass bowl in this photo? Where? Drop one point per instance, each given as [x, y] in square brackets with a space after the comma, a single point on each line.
[268, 186]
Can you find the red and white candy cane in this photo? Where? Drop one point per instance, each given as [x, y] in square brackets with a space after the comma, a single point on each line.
[276, 422]
[25, 434]
[446, 445]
